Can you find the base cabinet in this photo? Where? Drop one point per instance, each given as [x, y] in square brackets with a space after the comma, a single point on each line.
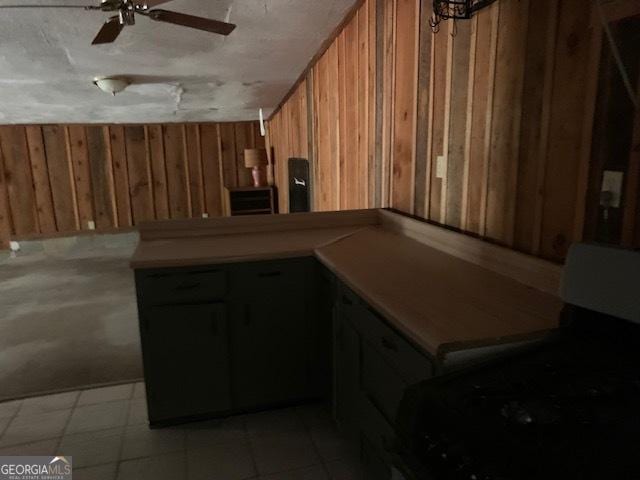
[228, 338]
[373, 365]
[186, 360]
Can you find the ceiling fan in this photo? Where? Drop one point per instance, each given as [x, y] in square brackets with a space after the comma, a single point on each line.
[128, 9]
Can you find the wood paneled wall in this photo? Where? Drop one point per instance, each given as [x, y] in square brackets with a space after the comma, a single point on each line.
[503, 100]
[59, 178]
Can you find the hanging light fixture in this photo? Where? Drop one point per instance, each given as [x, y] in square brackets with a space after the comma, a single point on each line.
[455, 10]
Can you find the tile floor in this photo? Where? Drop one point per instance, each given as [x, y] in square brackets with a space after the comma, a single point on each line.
[105, 431]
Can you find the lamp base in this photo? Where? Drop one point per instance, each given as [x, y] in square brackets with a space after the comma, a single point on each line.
[259, 179]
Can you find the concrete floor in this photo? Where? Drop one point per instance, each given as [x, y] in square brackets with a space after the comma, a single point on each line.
[68, 316]
[105, 432]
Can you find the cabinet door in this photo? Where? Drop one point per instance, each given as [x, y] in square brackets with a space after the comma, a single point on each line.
[186, 360]
[271, 350]
[346, 374]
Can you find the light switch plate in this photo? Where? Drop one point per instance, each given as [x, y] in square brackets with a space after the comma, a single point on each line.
[441, 166]
[612, 182]
[91, 225]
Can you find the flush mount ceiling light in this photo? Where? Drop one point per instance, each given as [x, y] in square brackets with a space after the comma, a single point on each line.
[111, 85]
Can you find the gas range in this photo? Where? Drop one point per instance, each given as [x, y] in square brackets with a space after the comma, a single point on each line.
[567, 409]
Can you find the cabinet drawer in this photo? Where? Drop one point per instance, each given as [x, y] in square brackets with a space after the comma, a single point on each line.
[187, 286]
[412, 365]
[376, 430]
[273, 277]
[382, 385]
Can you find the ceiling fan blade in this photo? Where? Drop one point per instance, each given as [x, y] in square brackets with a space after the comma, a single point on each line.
[146, 4]
[109, 31]
[200, 23]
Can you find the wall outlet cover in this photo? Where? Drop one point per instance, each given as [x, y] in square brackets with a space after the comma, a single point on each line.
[91, 224]
[205, 215]
[612, 182]
[441, 166]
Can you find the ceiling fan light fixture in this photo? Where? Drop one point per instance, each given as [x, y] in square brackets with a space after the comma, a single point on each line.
[112, 85]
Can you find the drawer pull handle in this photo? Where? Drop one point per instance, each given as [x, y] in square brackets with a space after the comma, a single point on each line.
[269, 274]
[346, 300]
[187, 286]
[388, 344]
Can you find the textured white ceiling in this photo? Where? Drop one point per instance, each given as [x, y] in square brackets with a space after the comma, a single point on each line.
[47, 62]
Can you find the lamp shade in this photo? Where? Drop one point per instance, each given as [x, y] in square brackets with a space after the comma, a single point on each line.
[255, 157]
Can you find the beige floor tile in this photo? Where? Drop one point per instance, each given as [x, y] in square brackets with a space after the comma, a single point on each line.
[275, 422]
[141, 441]
[279, 453]
[43, 448]
[229, 461]
[165, 467]
[139, 390]
[9, 409]
[138, 412]
[98, 417]
[215, 432]
[314, 473]
[31, 428]
[92, 448]
[331, 445]
[48, 403]
[100, 472]
[106, 394]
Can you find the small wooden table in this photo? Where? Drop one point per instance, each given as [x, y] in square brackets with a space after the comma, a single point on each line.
[250, 201]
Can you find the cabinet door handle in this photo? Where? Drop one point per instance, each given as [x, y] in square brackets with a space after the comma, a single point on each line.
[269, 274]
[388, 344]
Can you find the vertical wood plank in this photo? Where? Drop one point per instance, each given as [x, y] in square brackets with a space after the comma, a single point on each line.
[158, 172]
[41, 185]
[120, 176]
[194, 157]
[228, 153]
[568, 104]
[177, 173]
[371, 101]
[456, 153]
[18, 180]
[243, 140]
[388, 71]
[101, 177]
[507, 115]
[334, 123]
[211, 169]
[139, 173]
[81, 173]
[536, 102]
[5, 214]
[441, 42]
[362, 85]
[349, 131]
[404, 136]
[423, 109]
[60, 178]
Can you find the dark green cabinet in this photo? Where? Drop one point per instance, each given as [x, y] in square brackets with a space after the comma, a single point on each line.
[373, 365]
[347, 374]
[186, 360]
[270, 351]
[225, 339]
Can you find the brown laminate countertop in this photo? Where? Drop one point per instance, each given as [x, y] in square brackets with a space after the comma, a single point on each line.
[241, 247]
[441, 302]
